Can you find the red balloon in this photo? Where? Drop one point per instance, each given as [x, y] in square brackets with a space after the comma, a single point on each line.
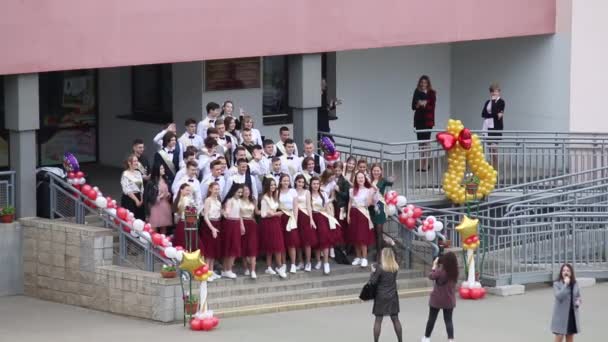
[162, 253]
[71, 175]
[410, 223]
[125, 228]
[147, 227]
[92, 194]
[79, 174]
[165, 243]
[215, 321]
[464, 139]
[204, 268]
[403, 218]
[417, 213]
[156, 239]
[483, 292]
[122, 213]
[207, 324]
[199, 272]
[446, 140]
[179, 248]
[475, 293]
[86, 188]
[196, 324]
[464, 293]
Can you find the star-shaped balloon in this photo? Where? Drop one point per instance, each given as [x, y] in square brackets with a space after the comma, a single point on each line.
[468, 233]
[191, 261]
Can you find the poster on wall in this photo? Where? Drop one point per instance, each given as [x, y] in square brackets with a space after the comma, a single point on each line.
[81, 143]
[77, 104]
[230, 74]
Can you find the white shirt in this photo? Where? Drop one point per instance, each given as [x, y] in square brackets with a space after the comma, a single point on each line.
[201, 128]
[204, 163]
[255, 168]
[194, 184]
[321, 161]
[329, 188]
[276, 176]
[360, 200]
[158, 140]
[131, 182]
[255, 135]
[291, 166]
[207, 181]
[195, 140]
[286, 199]
[240, 179]
[179, 175]
[280, 146]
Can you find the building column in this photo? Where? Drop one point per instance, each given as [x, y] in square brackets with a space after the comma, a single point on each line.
[304, 95]
[22, 120]
[188, 82]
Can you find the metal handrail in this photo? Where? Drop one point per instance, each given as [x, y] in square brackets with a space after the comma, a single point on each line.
[7, 179]
[81, 209]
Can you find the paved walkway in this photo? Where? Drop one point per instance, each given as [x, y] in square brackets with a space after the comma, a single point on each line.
[521, 318]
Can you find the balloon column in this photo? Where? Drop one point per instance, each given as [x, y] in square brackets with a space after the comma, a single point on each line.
[470, 288]
[462, 146]
[330, 153]
[195, 267]
[410, 216]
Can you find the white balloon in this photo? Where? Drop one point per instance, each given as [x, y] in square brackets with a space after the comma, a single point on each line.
[146, 235]
[138, 225]
[390, 210]
[401, 201]
[179, 255]
[111, 211]
[171, 252]
[431, 219]
[100, 194]
[465, 284]
[82, 180]
[114, 202]
[143, 240]
[96, 189]
[101, 202]
[476, 285]
[134, 233]
[430, 235]
[438, 226]
[130, 216]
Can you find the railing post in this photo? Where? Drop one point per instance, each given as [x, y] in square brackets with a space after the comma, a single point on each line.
[52, 197]
[573, 225]
[525, 162]
[512, 251]
[553, 248]
[13, 189]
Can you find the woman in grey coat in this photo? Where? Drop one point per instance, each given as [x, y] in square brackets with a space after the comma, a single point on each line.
[386, 301]
[565, 321]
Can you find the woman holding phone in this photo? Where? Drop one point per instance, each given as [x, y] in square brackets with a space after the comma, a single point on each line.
[565, 321]
[423, 105]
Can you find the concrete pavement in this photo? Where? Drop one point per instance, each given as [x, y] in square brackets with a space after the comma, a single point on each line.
[522, 318]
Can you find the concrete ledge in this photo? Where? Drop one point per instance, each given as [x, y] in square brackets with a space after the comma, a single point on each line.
[11, 272]
[507, 290]
[585, 282]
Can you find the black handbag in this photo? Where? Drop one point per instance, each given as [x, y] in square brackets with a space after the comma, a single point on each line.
[368, 292]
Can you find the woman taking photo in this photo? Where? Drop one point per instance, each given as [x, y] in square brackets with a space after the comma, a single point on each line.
[211, 227]
[249, 240]
[386, 301]
[359, 221]
[132, 184]
[271, 230]
[306, 225]
[492, 113]
[565, 321]
[423, 105]
[158, 200]
[378, 215]
[444, 274]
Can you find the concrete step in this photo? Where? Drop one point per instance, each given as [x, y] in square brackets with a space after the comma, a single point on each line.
[305, 294]
[303, 304]
[252, 287]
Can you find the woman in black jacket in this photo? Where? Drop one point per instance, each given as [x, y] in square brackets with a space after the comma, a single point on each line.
[157, 200]
[386, 301]
[492, 113]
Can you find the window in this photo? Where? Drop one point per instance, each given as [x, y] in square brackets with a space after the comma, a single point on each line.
[152, 93]
[275, 102]
[4, 138]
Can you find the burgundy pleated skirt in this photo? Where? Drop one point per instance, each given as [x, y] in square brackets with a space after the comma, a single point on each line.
[292, 238]
[324, 237]
[231, 238]
[249, 241]
[179, 236]
[270, 232]
[211, 248]
[337, 235]
[358, 229]
[308, 235]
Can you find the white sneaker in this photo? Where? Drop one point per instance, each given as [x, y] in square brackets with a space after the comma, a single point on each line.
[326, 268]
[318, 265]
[356, 262]
[332, 254]
[282, 273]
[213, 277]
[292, 269]
[229, 274]
[363, 262]
[425, 339]
[300, 266]
[307, 268]
[253, 275]
[247, 272]
[270, 271]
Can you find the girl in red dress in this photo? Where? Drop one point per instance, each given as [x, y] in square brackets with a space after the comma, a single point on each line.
[271, 229]
[322, 213]
[211, 227]
[249, 240]
[287, 202]
[306, 226]
[359, 221]
[232, 230]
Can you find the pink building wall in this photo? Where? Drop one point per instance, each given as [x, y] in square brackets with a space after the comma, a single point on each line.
[72, 34]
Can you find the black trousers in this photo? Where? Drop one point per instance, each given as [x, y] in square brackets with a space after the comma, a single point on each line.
[447, 318]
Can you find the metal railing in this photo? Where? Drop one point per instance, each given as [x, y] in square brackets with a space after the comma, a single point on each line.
[7, 189]
[133, 250]
[519, 156]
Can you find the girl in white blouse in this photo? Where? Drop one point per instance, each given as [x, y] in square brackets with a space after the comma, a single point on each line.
[211, 228]
[359, 220]
[132, 185]
[249, 241]
[287, 201]
[232, 229]
[325, 222]
[271, 230]
[306, 226]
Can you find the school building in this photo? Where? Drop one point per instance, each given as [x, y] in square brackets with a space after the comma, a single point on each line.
[90, 76]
